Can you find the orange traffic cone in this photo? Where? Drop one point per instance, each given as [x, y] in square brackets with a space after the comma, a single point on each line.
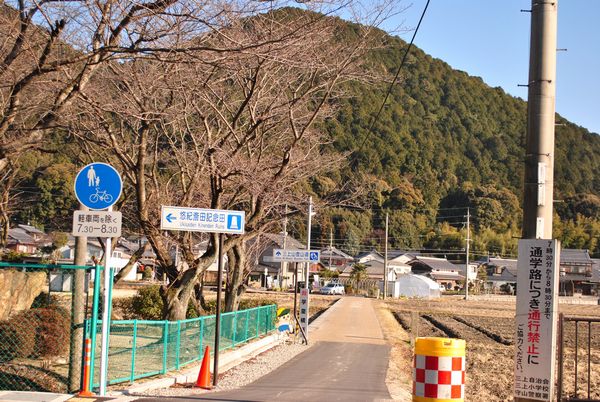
[203, 380]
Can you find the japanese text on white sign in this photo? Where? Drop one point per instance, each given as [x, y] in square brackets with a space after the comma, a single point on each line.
[304, 308]
[537, 282]
[96, 224]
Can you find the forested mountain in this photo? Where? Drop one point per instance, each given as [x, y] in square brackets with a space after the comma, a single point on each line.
[444, 140]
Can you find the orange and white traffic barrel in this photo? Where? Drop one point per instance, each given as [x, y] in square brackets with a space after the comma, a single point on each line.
[439, 370]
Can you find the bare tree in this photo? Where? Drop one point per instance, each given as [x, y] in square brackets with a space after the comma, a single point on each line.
[230, 123]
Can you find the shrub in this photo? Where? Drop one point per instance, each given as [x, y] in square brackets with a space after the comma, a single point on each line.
[17, 339]
[147, 304]
[251, 303]
[147, 274]
[52, 332]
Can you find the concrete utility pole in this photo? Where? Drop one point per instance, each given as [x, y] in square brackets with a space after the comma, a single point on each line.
[282, 264]
[467, 258]
[309, 224]
[539, 148]
[77, 312]
[307, 273]
[330, 246]
[385, 257]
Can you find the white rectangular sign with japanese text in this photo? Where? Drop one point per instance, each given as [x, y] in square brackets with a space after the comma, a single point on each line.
[311, 256]
[96, 224]
[304, 309]
[202, 220]
[537, 308]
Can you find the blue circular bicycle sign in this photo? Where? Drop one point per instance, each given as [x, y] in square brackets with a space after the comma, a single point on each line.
[98, 185]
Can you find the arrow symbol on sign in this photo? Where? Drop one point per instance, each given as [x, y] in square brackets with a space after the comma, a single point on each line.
[170, 218]
[278, 254]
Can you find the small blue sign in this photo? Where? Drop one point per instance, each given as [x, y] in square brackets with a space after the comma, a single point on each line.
[314, 256]
[234, 222]
[98, 186]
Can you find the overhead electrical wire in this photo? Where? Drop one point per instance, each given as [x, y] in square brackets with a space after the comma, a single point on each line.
[389, 91]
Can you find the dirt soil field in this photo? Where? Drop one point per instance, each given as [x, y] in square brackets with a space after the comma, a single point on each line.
[488, 329]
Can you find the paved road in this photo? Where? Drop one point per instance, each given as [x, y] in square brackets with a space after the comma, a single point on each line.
[347, 363]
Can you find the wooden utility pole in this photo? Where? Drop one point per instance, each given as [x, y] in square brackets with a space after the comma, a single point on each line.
[77, 312]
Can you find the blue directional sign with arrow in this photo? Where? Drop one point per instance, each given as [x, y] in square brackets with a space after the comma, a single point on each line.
[170, 218]
[202, 220]
[280, 255]
[98, 186]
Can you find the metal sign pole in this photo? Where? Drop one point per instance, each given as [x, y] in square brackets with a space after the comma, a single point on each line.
[105, 318]
[94, 323]
[307, 273]
[218, 314]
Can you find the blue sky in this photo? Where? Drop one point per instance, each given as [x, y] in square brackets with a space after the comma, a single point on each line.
[490, 39]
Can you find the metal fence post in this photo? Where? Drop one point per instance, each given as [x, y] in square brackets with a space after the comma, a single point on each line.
[246, 325]
[235, 323]
[257, 322]
[165, 345]
[132, 378]
[177, 345]
[201, 340]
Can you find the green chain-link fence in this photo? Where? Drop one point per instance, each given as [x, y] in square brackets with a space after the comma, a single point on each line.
[140, 348]
[41, 336]
[37, 326]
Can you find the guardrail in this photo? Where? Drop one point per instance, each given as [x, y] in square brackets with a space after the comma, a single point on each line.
[577, 384]
[141, 348]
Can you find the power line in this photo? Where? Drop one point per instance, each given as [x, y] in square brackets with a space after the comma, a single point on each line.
[389, 91]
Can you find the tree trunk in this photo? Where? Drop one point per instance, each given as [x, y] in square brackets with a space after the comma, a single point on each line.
[131, 263]
[236, 267]
[175, 309]
[177, 295]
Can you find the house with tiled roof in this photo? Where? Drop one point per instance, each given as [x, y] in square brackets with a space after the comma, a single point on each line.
[577, 273]
[20, 242]
[439, 269]
[500, 272]
[266, 271]
[335, 259]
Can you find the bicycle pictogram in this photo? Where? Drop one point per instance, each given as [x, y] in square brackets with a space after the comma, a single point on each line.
[101, 196]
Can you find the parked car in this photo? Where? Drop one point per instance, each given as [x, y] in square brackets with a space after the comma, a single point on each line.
[333, 289]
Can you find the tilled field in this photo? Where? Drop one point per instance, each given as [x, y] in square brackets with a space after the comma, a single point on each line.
[488, 329]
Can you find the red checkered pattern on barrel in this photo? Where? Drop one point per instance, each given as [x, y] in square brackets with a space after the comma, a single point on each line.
[439, 377]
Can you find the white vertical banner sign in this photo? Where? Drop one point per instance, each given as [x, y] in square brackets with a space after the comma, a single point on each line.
[304, 308]
[537, 308]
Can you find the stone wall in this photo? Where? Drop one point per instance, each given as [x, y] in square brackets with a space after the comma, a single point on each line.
[18, 290]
